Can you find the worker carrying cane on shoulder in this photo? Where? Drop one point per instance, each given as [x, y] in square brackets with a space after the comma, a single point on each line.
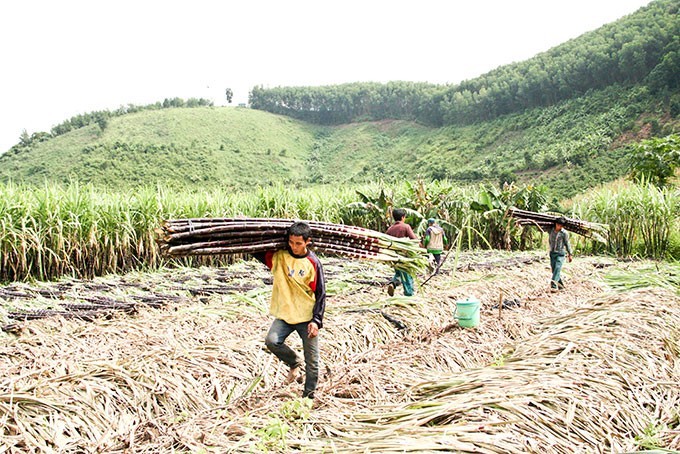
[558, 240]
[298, 303]
[400, 229]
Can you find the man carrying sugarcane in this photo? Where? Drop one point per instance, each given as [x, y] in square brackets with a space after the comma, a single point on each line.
[400, 229]
[558, 239]
[298, 302]
[434, 242]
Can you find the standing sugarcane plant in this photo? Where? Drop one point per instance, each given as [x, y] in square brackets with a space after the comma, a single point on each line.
[643, 218]
[220, 236]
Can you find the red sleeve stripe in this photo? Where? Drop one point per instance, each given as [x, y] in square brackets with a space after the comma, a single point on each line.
[312, 284]
[268, 259]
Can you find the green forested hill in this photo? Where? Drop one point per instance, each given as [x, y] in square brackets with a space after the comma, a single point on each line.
[575, 144]
[641, 48]
[567, 147]
[565, 119]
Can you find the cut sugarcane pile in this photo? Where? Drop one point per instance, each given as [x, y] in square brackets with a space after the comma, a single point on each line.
[217, 236]
[592, 230]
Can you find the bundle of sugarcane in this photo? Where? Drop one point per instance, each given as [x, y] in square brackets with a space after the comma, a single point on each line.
[217, 236]
[595, 231]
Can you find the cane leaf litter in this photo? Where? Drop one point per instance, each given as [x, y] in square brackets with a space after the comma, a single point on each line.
[174, 360]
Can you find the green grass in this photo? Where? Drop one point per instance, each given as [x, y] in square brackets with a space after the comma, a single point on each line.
[567, 148]
[174, 147]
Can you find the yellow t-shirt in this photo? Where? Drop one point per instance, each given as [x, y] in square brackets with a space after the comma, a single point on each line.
[295, 283]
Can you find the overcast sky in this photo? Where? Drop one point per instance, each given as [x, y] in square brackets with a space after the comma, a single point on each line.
[61, 58]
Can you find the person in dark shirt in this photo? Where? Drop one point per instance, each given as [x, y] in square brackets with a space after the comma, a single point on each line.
[401, 229]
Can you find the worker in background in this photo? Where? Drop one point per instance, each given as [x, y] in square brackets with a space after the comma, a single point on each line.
[401, 229]
[558, 240]
[435, 239]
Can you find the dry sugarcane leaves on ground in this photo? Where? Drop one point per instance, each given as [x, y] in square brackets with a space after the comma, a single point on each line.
[576, 369]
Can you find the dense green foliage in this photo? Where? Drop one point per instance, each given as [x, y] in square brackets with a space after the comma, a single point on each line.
[83, 231]
[655, 160]
[643, 47]
[644, 219]
[346, 103]
[568, 147]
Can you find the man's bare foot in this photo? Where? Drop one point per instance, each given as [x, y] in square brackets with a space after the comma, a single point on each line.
[292, 375]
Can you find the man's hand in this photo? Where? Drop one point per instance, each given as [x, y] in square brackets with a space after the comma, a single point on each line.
[569, 258]
[312, 330]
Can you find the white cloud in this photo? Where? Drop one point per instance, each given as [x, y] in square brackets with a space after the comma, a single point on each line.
[69, 57]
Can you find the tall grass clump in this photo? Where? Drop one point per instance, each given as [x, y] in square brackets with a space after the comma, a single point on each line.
[643, 219]
[81, 231]
[74, 230]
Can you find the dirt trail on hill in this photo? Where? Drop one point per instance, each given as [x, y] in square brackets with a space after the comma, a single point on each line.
[176, 360]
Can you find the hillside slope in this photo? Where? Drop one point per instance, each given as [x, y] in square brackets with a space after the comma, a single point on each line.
[174, 147]
[568, 147]
[564, 119]
[583, 141]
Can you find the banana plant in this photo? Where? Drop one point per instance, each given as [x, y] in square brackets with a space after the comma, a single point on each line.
[375, 212]
[493, 203]
[433, 201]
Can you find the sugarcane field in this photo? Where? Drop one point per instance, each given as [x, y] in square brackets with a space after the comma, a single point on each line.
[324, 227]
[174, 361]
[141, 322]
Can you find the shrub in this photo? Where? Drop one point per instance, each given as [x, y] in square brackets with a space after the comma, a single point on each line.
[655, 160]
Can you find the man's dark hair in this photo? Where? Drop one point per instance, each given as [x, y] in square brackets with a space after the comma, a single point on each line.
[300, 229]
[398, 214]
[561, 220]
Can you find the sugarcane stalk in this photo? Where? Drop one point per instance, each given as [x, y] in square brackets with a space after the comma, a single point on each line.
[340, 249]
[598, 232]
[248, 248]
[328, 244]
[227, 232]
[216, 236]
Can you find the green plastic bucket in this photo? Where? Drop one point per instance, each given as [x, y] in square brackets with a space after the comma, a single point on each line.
[467, 313]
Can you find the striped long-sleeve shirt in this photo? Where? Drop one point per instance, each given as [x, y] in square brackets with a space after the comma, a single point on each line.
[559, 241]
